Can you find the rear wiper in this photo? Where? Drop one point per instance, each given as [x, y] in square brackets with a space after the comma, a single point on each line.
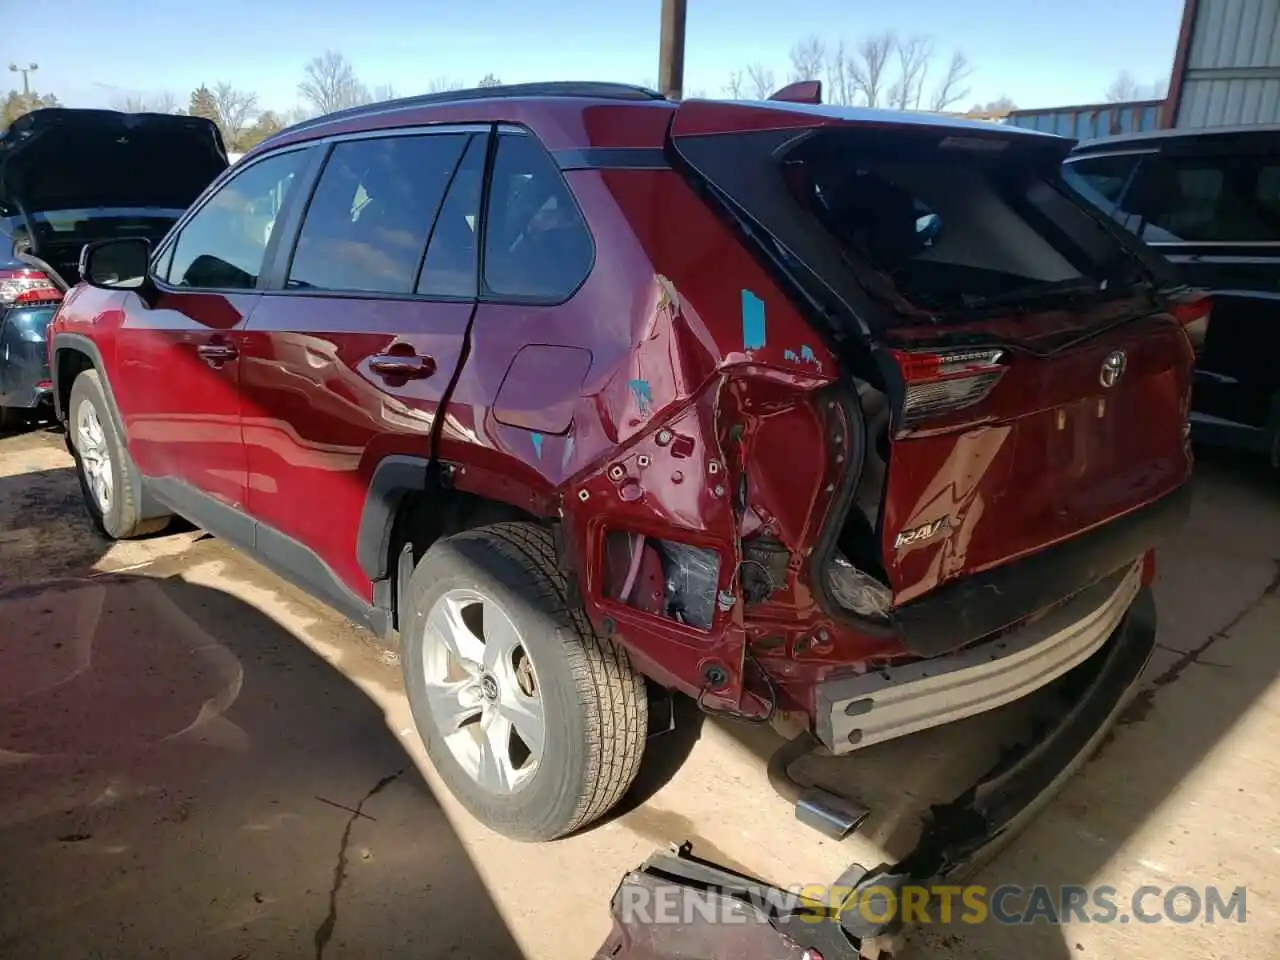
[1033, 292]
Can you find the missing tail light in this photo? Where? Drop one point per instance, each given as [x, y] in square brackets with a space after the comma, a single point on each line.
[668, 579]
[1192, 310]
[938, 383]
[15, 285]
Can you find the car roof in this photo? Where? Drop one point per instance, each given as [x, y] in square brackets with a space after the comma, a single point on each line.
[1204, 136]
[557, 107]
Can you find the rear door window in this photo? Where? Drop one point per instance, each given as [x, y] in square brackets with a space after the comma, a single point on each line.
[449, 269]
[537, 245]
[366, 227]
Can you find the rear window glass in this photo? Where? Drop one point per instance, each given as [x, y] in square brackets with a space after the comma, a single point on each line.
[938, 230]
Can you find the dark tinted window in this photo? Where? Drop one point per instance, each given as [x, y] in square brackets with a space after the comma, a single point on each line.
[366, 227]
[536, 243]
[1104, 176]
[1207, 199]
[450, 267]
[222, 246]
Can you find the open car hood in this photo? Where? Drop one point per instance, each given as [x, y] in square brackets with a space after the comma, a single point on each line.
[60, 159]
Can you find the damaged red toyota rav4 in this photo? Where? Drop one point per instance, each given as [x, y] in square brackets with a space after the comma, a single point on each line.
[578, 395]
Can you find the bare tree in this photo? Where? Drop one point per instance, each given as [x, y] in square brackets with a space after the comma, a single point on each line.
[841, 87]
[329, 83]
[443, 85]
[1123, 87]
[867, 69]
[760, 81]
[162, 102]
[952, 88]
[1003, 104]
[807, 59]
[914, 54]
[736, 86]
[234, 110]
[382, 93]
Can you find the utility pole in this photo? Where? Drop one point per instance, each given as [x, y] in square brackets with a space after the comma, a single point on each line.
[32, 68]
[671, 49]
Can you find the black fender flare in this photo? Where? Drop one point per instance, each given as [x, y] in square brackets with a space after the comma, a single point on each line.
[393, 477]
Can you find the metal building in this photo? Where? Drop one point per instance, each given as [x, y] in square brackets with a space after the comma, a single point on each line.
[1226, 69]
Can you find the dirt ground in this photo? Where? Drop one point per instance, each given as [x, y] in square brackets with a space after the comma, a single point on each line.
[197, 760]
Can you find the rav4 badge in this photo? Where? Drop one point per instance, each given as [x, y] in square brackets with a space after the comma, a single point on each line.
[921, 533]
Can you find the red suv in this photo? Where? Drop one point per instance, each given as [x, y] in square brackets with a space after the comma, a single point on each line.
[579, 395]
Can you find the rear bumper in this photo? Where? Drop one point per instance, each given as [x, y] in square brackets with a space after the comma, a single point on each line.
[982, 604]
[854, 712]
[732, 915]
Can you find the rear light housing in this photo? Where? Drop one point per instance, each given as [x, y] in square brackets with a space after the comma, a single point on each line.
[38, 295]
[1193, 309]
[938, 383]
[14, 284]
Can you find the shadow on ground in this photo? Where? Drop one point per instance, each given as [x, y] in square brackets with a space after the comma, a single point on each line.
[180, 776]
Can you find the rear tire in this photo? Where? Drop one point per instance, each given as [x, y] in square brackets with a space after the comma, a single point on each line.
[497, 593]
[105, 469]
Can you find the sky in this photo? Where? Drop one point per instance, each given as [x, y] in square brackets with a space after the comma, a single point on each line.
[1041, 53]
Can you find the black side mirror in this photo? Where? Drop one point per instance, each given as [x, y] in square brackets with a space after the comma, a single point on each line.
[116, 264]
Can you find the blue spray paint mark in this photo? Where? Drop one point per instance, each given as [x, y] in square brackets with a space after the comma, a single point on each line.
[537, 443]
[807, 355]
[568, 452]
[752, 321]
[643, 393]
[790, 355]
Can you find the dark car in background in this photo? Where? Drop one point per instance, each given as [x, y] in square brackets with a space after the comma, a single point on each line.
[68, 177]
[1209, 201]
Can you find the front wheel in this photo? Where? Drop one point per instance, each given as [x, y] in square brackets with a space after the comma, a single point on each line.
[534, 723]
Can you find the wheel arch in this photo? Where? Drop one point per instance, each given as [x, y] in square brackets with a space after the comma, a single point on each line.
[410, 504]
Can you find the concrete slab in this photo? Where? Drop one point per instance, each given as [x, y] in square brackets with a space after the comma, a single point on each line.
[214, 765]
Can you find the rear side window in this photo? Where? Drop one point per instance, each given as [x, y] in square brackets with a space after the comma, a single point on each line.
[222, 246]
[536, 243]
[367, 225]
[1208, 199]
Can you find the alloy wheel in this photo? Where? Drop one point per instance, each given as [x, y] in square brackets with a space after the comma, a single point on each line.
[95, 455]
[482, 691]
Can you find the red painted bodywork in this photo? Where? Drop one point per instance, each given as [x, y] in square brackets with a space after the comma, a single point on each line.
[564, 411]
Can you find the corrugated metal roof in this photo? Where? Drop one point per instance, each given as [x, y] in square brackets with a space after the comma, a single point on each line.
[1233, 64]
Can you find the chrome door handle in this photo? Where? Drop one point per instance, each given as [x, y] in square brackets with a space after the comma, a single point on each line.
[413, 367]
[216, 354]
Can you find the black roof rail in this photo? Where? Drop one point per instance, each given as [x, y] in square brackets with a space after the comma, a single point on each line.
[556, 88]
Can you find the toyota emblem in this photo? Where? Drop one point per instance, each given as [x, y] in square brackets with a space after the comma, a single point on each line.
[1113, 368]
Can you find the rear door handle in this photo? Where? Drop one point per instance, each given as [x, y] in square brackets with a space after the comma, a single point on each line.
[415, 367]
[216, 354]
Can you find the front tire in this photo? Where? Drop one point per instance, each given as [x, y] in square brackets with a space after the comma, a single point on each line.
[106, 472]
[534, 723]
